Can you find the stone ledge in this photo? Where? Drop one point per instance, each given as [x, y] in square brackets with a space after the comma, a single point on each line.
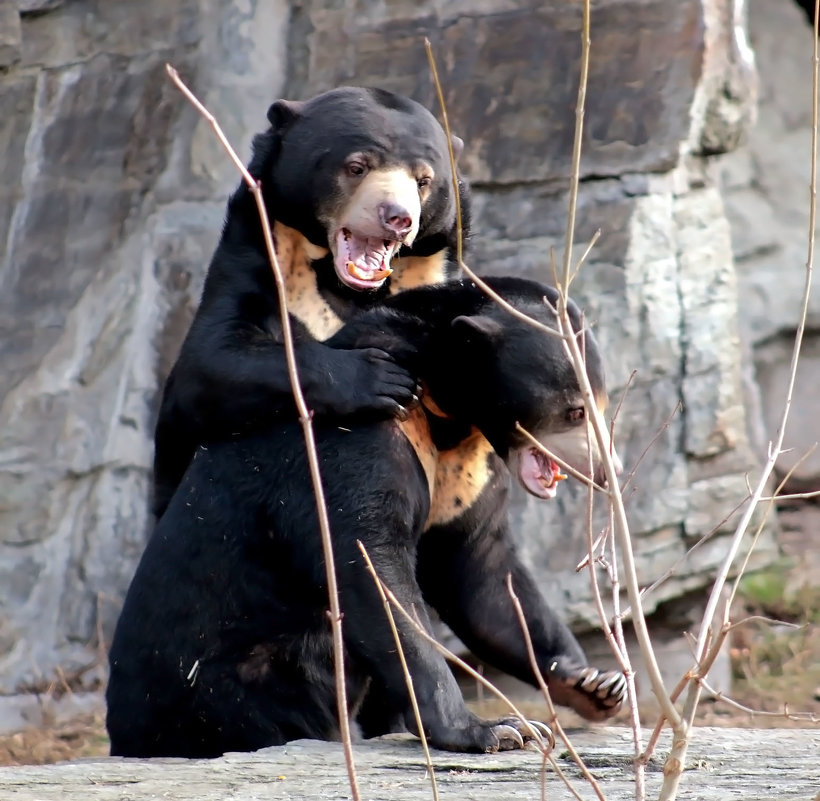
[755, 765]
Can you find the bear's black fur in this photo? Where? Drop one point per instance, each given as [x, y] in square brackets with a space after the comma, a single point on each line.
[350, 179]
[223, 642]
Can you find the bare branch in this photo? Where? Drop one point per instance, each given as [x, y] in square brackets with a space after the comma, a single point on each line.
[539, 677]
[622, 651]
[666, 423]
[335, 614]
[448, 654]
[489, 291]
[575, 177]
[717, 695]
[585, 255]
[775, 449]
[407, 677]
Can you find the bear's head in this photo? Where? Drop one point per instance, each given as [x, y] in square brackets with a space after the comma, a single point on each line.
[362, 172]
[501, 370]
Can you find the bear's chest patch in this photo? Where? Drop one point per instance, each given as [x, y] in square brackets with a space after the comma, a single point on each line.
[456, 477]
[305, 301]
[462, 473]
[410, 272]
[417, 431]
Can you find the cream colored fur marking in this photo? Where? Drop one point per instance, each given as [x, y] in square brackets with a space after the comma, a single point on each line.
[413, 271]
[396, 185]
[305, 302]
[417, 430]
[455, 478]
[461, 475]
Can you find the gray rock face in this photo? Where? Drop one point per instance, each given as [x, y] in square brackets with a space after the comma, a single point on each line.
[766, 186]
[510, 73]
[111, 201]
[9, 33]
[109, 211]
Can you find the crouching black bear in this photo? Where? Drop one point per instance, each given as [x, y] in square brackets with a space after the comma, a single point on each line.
[223, 642]
[357, 184]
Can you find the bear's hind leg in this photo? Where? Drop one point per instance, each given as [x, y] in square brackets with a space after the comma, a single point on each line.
[263, 700]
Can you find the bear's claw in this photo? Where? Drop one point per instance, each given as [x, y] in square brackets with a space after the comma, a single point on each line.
[508, 737]
[612, 687]
[513, 733]
[592, 693]
[545, 733]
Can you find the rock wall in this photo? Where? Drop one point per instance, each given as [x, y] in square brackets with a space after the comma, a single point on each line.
[766, 186]
[111, 200]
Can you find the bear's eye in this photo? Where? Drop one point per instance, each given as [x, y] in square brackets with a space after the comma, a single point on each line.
[424, 182]
[356, 168]
[576, 415]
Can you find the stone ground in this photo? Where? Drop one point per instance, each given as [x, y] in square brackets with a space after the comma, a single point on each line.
[723, 764]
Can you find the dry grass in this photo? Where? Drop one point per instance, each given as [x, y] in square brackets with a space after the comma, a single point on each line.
[82, 737]
[776, 665]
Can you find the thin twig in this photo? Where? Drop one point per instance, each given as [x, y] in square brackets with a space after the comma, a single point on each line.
[792, 496]
[407, 677]
[621, 525]
[620, 403]
[577, 141]
[539, 677]
[666, 423]
[594, 414]
[593, 548]
[585, 255]
[335, 614]
[717, 695]
[561, 775]
[673, 568]
[776, 449]
[631, 690]
[680, 741]
[453, 172]
[676, 758]
[769, 621]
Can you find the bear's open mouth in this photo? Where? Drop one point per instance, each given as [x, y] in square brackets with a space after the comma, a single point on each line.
[363, 262]
[539, 474]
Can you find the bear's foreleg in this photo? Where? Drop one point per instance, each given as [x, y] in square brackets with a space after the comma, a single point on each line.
[463, 570]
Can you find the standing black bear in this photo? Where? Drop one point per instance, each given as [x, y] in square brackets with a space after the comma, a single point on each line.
[351, 179]
[223, 642]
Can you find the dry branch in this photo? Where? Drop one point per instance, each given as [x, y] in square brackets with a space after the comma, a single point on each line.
[335, 614]
[408, 679]
[542, 684]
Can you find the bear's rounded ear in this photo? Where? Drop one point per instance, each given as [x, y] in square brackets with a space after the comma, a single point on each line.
[282, 113]
[476, 327]
[458, 146]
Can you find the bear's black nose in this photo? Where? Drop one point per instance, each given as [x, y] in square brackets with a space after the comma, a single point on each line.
[395, 218]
